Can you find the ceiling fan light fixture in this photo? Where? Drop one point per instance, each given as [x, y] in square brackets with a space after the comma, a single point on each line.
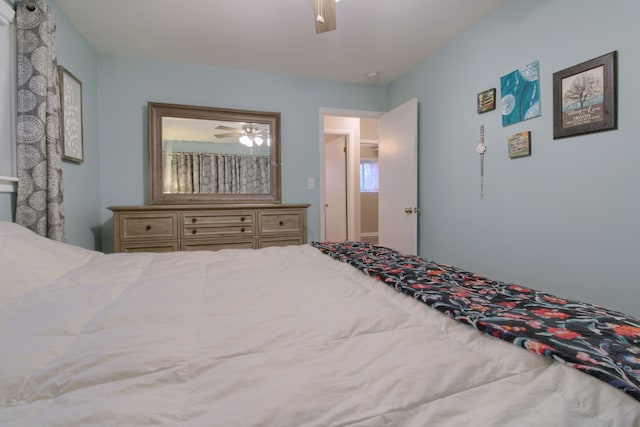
[324, 15]
[372, 76]
[245, 140]
[258, 140]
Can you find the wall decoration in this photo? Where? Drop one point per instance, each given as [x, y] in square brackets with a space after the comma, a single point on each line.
[584, 97]
[481, 148]
[519, 144]
[520, 94]
[71, 116]
[487, 100]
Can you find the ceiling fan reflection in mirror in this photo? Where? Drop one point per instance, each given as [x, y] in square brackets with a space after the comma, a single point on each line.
[325, 15]
[249, 134]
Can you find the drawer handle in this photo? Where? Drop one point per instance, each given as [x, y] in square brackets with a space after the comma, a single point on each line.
[242, 230]
[194, 231]
[194, 220]
[148, 227]
[241, 219]
[281, 223]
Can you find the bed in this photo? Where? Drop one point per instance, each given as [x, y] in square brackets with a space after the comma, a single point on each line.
[281, 336]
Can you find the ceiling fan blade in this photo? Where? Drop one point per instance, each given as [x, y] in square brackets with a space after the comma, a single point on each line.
[324, 15]
[223, 127]
[228, 135]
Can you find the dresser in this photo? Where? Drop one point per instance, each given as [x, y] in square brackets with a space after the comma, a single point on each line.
[168, 228]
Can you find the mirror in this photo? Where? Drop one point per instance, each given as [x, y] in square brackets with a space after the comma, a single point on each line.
[213, 155]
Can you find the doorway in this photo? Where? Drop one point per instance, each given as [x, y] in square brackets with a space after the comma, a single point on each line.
[395, 135]
[350, 156]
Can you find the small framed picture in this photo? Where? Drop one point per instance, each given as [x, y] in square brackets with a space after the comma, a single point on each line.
[487, 100]
[585, 97]
[519, 144]
[71, 116]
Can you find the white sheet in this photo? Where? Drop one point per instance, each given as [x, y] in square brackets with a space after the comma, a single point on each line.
[270, 337]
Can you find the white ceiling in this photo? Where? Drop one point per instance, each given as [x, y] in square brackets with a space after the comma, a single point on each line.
[384, 36]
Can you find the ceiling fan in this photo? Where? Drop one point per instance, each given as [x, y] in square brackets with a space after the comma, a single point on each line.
[249, 134]
[325, 15]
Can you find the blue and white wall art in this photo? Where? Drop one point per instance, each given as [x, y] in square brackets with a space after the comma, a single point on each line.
[520, 94]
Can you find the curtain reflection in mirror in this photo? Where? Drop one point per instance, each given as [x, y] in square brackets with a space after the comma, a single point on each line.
[215, 173]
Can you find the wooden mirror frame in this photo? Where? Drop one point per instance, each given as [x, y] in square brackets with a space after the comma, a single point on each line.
[157, 111]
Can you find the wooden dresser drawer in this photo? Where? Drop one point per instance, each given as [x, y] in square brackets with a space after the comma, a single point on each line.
[216, 244]
[149, 247]
[281, 222]
[144, 226]
[196, 225]
[265, 242]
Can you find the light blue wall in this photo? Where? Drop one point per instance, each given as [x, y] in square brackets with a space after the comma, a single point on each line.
[126, 85]
[81, 181]
[7, 206]
[566, 219]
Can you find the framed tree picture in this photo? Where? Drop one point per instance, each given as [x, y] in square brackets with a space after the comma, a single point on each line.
[585, 97]
[71, 116]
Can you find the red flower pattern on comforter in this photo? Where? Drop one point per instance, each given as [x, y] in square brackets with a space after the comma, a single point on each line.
[598, 341]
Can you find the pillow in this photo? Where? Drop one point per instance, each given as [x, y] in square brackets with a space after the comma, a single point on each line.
[29, 261]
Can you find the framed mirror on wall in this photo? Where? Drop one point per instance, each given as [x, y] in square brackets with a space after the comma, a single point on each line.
[213, 155]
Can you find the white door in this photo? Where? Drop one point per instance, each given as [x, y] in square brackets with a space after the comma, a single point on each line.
[398, 178]
[335, 188]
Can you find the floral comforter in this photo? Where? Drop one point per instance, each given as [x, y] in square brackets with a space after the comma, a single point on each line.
[598, 341]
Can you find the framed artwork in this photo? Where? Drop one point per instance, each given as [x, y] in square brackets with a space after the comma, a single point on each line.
[487, 100]
[585, 97]
[519, 144]
[520, 94]
[71, 116]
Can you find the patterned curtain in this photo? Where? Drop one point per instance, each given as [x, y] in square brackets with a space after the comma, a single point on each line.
[39, 155]
[216, 173]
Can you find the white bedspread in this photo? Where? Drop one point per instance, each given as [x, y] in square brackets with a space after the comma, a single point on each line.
[271, 337]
